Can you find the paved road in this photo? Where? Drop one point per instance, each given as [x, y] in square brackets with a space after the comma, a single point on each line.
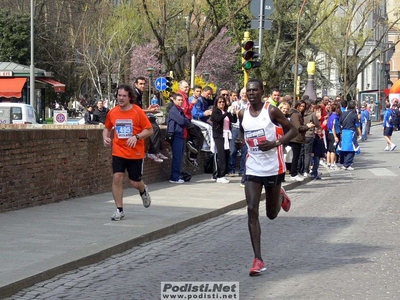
[339, 241]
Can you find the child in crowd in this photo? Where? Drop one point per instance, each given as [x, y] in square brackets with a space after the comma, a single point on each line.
[318, 152]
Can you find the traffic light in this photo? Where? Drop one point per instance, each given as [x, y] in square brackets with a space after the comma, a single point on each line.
[168, 83]
[249, 56]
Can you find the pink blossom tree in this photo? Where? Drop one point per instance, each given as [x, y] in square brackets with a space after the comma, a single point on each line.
[219, 60]
[143, 57]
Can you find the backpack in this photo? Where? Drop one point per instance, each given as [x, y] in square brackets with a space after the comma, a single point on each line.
[394, 118]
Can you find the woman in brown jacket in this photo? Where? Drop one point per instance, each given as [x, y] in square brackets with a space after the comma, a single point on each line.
[296, 117]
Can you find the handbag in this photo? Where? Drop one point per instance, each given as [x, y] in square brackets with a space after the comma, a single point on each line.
[288, 154]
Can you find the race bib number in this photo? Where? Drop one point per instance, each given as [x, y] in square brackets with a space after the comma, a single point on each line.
[254, 138]
[124, 129]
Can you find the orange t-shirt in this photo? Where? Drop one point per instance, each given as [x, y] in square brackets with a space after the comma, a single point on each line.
[126, 124]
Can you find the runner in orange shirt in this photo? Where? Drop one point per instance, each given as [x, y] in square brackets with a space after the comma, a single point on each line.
[131, 126]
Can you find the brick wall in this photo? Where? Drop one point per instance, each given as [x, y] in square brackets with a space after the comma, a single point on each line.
[42, 164]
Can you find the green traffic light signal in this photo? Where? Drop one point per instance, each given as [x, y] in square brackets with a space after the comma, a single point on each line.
[249, 56]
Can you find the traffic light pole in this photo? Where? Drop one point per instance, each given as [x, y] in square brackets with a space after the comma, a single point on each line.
[245, 72]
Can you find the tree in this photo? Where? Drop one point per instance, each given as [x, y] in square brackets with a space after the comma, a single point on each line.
[183, 28]
[355, 26]
[15, 37]
[279, 53]
[105, 46]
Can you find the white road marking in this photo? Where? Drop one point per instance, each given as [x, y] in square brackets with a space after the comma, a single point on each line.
[383, 172]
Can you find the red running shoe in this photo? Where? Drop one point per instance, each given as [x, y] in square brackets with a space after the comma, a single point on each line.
[257, 268]
[286, 201]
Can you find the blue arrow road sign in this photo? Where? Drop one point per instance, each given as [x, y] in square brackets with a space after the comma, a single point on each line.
[161, 83]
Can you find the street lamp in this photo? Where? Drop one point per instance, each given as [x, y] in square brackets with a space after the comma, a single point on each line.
[32, 66]
[150, 71]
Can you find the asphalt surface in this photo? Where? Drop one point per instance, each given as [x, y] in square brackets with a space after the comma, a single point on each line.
[339, 241]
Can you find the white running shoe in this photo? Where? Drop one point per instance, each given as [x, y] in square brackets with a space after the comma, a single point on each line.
[387, 148]
[392, 147]
[180, 181]
[222, 180]
[305, 174]
[154, 157]
[296, 178]
[118, 215]
[161, 156]
[146, 197]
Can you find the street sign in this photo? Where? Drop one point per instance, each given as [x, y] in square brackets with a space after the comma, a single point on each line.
[161, 83]
[60, 117]
[266, 24]
[255, 8]
[299, 69]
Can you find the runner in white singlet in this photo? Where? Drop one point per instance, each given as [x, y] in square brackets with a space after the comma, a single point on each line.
[262, 126]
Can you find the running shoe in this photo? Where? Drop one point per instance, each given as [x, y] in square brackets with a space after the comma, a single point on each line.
[161, 156]
[257, 268]
[118, 215]
[180, 181]
[191, 147]
[392, 147]
[222, 180]
[296, 178]
[286, 201]
[154, 157]
[146, 197]
[193, 162]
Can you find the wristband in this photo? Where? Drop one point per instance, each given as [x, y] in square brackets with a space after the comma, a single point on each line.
[137, 136]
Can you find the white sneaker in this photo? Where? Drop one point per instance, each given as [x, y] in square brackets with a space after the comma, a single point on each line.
[154, 157]
[296, 178]
[387, 148]
[180, 181]
[349, 168]
[118, 215]
[161, 156]
[222, 180]
[392, 147]
[305, 174]
[146, 197]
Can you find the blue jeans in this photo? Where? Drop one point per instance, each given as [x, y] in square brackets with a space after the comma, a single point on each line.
[364, 134]
[233, 151]
[178, 149]
[314, 172]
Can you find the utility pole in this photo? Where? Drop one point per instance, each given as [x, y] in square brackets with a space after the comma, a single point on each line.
[296, 83]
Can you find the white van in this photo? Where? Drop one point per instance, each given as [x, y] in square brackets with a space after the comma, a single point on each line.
[17, 113]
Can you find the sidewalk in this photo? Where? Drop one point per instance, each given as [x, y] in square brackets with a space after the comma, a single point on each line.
[40, 242]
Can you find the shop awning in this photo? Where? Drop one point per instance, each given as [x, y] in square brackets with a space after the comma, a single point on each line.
[11, 87]
[58, 86]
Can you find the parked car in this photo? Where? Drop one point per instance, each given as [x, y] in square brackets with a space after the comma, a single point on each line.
[17, 113]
